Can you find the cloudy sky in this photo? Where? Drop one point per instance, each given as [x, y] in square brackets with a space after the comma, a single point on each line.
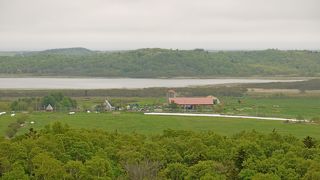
[183, 24]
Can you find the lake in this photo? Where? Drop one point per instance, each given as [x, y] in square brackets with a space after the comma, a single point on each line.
[116, 83]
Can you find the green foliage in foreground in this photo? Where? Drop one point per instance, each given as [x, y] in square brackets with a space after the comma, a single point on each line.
[162, 63]
[59, 152]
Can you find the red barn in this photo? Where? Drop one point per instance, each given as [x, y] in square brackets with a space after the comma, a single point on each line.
[191, 102]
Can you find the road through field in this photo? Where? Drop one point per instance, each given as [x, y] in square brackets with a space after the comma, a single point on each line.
[222, 115]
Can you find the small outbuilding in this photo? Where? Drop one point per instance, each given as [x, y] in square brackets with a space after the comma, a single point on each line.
[108, 106]
[49, 108]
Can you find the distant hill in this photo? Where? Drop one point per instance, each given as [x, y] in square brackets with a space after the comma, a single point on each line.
[153, 63]
[7, 53]
[68, 51]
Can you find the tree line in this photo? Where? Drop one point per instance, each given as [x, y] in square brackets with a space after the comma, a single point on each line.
[57, 100]
[311, 84]
[145, 92]
[60, 152]
[153, 63]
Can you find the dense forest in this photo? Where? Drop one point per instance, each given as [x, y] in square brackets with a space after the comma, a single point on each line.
[161, 63]
[60, 152]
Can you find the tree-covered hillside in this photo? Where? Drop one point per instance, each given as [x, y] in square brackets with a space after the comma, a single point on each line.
[161, 63]
[59, 152]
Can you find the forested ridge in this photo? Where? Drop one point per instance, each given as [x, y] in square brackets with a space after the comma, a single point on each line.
[60, 152]
[153, 63]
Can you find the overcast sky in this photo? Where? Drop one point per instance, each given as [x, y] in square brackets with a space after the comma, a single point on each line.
[183, 24]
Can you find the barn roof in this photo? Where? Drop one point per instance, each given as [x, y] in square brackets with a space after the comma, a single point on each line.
[192, 100]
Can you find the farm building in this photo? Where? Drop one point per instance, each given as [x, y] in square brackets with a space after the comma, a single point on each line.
[108, 106]
[49, 108]
[191, 102]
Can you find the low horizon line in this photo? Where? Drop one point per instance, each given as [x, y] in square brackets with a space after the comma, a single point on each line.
[132, 49]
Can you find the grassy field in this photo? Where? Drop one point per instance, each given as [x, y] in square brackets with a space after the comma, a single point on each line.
[305, 107]
[270, 105]
[137, 122]
[273, 106]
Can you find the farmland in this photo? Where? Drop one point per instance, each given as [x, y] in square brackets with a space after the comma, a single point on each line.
[80, 132]
[283, 106]
[137, 122]
[234, 101]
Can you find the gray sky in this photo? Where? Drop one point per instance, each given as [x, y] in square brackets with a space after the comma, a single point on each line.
[183, 24]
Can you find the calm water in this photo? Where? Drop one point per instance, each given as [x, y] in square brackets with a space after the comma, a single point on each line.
[104, 83]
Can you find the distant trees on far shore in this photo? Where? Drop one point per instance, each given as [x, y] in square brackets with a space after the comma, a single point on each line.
[154, 63]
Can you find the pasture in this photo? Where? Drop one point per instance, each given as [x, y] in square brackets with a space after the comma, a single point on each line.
[305, 107]
[137, 122]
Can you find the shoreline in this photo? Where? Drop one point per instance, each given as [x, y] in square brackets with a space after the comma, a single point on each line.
[2, 76]
[122, 83]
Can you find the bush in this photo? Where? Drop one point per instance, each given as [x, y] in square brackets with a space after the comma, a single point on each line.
[300, 117]
[22, 118]
[12, 129]
[315, 120]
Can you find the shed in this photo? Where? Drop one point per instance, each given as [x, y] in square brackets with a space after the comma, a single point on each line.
[108, 106]
[49, 108]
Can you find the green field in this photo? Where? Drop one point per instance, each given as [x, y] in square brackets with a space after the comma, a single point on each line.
[137, 122]
[286, 107]
[306, 107]
[302, 106]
